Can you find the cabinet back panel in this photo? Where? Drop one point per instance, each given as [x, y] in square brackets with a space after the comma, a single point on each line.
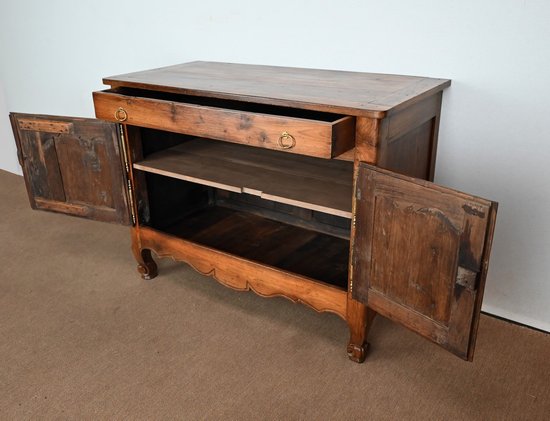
[305, 252]
[158, 140]
[171, 200]
[284, 236]
[289, 214]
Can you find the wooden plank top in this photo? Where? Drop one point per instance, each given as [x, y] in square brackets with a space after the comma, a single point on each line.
[352, 93]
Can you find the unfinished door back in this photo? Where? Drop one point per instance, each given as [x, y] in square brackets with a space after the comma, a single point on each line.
[72, 166]
[421, 254]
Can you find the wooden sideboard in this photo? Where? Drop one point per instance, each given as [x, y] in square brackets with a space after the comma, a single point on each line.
[314, 185]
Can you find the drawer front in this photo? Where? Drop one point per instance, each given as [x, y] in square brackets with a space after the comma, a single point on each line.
[323, 139]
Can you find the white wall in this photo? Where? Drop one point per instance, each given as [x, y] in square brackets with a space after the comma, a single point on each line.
[495, 131]
[8, 151]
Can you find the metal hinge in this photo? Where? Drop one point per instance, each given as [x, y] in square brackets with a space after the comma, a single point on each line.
[467, 278]
[129, 186]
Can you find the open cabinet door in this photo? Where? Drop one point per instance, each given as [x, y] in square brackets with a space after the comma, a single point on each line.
[72, 166]
[421, 254]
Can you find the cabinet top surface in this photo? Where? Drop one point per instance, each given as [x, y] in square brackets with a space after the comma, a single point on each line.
[354, 93]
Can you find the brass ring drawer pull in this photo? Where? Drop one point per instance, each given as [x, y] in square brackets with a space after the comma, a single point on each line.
[121, 115]
[286, 141]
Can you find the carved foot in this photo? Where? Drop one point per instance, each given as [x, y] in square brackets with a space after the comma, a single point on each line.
[357, 353]
[146, 265]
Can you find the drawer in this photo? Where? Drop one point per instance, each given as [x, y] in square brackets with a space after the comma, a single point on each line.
[305, 132]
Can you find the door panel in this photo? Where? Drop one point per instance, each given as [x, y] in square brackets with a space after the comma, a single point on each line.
[420, 255]
[72, 166]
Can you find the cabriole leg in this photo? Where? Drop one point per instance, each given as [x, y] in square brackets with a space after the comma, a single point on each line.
[146, 265]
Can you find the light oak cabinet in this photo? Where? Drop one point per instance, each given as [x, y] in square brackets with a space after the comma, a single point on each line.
[310, 184]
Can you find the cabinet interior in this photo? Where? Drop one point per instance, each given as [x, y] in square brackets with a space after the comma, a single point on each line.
[311, 183]
[212, 196]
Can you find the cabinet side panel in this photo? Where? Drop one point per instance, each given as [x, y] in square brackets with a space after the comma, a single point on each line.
[409, 154]
[410, 147]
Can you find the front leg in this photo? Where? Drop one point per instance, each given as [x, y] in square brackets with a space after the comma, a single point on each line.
[359, 318]
[146, 265]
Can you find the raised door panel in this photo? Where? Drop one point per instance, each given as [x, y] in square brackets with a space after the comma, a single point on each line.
[421, 254]
[72, 166]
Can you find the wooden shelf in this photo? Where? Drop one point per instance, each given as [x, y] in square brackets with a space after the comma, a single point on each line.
[308, 253]
[312, 183]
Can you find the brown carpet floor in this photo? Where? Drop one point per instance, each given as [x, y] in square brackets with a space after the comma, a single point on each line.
[82, 336]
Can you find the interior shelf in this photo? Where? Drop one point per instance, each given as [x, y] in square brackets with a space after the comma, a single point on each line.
[312, 183]
[306, 252]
